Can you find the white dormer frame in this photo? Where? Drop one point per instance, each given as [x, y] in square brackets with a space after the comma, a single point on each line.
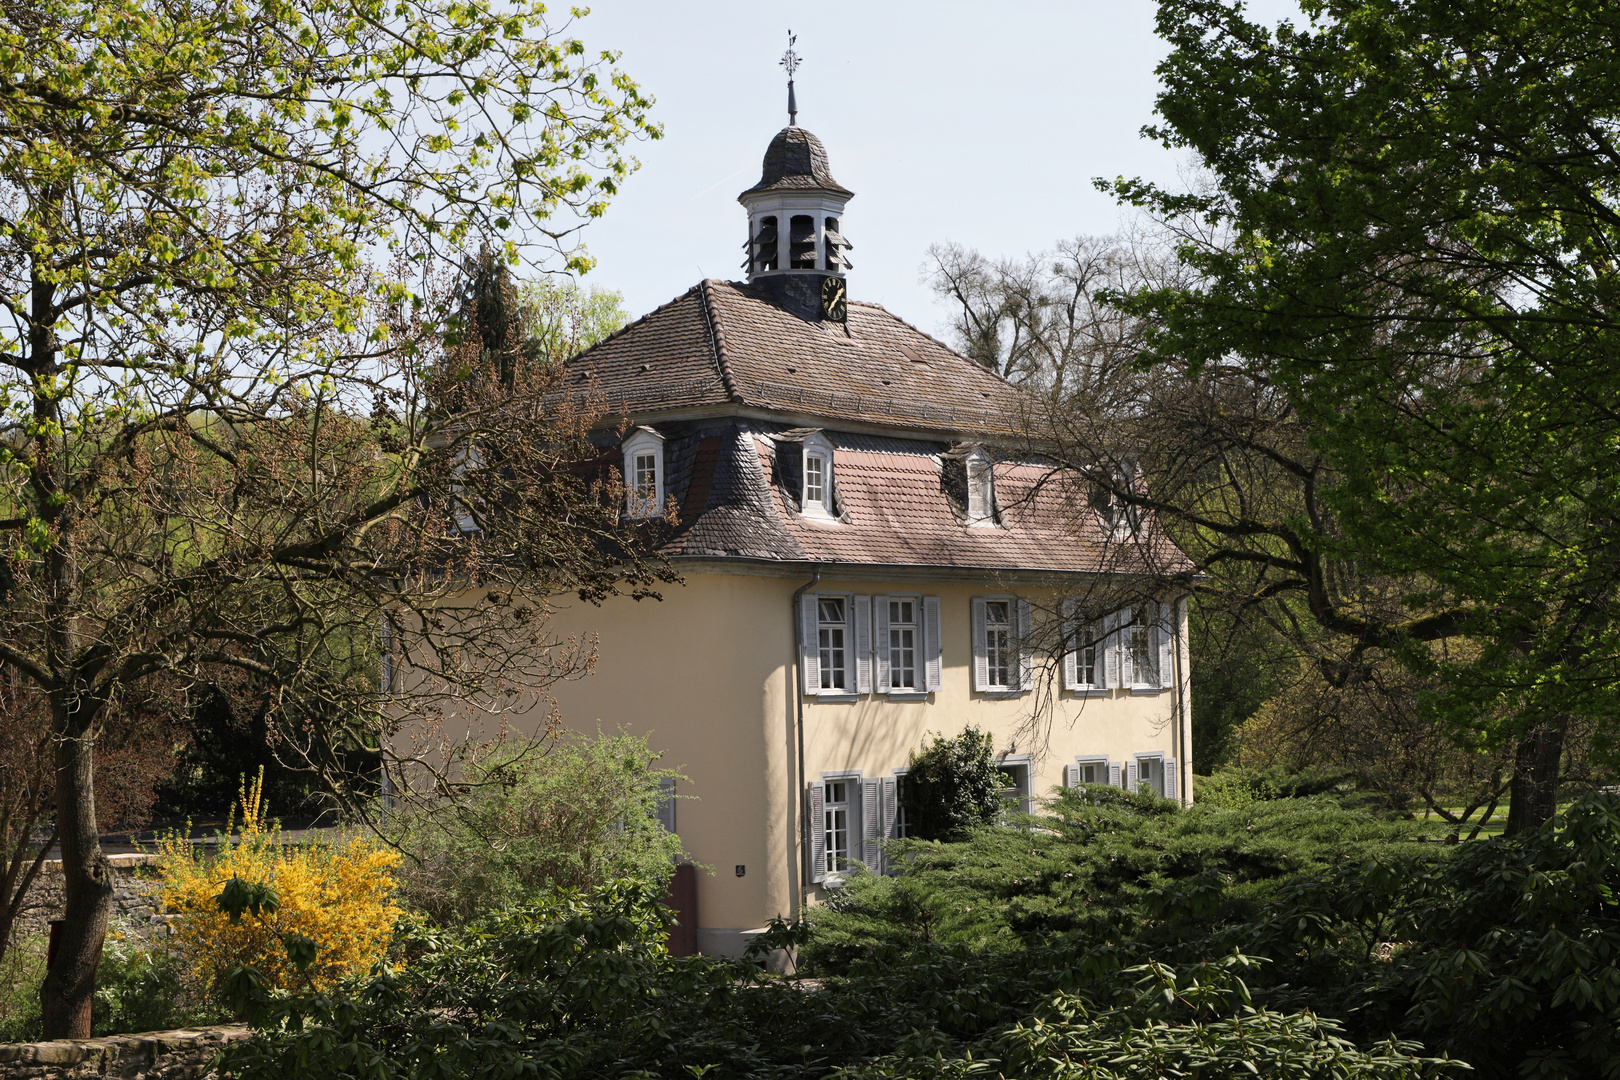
[643, 498]
[816, 478]
[981, 489]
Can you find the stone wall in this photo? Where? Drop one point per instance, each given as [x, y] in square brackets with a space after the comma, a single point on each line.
[134, 882]
[187, 1054]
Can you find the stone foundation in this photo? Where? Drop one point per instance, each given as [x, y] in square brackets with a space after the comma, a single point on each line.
[187, 1054]
[133, 903]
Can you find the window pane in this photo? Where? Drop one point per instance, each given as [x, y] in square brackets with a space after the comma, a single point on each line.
[814, 480]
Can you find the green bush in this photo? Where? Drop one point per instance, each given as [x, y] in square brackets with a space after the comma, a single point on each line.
[571, 814]
[1098, 856]
[952, 787]
[142, 986]
[22, 969]
[574, 988]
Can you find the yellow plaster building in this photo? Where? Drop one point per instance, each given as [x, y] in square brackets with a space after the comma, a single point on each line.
[867, 559]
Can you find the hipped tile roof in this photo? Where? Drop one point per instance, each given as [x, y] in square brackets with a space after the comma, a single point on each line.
[730, 379]
[725, 343]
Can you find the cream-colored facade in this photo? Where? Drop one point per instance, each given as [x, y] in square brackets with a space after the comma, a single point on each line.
[711, 676]
[872, 553]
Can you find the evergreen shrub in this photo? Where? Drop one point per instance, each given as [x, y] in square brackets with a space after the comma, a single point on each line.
[953, 786]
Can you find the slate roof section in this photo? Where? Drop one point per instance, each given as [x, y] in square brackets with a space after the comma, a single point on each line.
[726, 343]
[796, 160]
[736, 503]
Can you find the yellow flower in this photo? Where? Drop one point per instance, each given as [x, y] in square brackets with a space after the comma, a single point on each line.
[340, 895]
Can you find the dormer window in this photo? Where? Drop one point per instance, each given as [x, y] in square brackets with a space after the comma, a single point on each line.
[644, 473]
[817, 490]
[981, 489]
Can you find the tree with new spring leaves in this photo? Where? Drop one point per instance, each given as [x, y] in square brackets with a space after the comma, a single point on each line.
[222, 228]
[1415, 232]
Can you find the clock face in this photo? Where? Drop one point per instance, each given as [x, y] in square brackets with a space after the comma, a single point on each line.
[834, 302]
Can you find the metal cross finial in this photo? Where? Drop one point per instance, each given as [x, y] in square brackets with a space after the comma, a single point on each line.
[790, 60]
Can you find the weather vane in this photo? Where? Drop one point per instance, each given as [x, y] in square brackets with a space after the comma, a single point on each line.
[790, 60]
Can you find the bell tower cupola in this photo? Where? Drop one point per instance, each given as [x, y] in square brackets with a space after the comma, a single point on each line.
[796, 211]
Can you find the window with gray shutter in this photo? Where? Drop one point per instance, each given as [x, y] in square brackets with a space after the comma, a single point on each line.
[1026, 646]
[1167, 637]
[664, 810]
[809, 652]
[814, 814]
[1071, 776]
[1172, 789]
[1111, 673]
[1130, 775]
[981, 666]
[871, 821]
[1114, 778]
[863, 644]
[880, 643]
[933, 662]
[891, 807]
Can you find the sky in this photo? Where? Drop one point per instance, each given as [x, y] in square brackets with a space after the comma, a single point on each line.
[978, 123]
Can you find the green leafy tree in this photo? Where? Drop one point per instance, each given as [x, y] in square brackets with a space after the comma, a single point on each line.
[952, 786]
[219, 265]
[576, 813]
[1416, 214]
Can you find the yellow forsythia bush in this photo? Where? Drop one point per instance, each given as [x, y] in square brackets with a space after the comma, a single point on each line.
[340, 895]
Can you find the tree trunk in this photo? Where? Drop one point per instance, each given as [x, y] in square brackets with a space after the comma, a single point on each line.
[1534, 787]
[70, 981]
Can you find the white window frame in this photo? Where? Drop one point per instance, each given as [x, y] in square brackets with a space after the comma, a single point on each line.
[981, 489]
[895, 826]
[1021, 664]
[1151, 620]
[882, 640]
[817, 447]
[1135, 781]
[854, 827]
[1074, 631]
[1025, 798]
[845, 646]
[857, 626]
[640, 442]
[1097, 761]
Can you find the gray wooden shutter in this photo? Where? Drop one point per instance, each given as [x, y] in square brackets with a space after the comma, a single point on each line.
[665, 811]
[861, 612]
[1071, 776]
[1171, 789]
[1110, 648]
[880, 642]
[891, 808]
[1071, 646]
[981, 660]
[1113, 777]
[810, 653]
[1166, 640]
[818, 833]
[931, 643]
[1127, 668]
[1130, 775]
[871, 821]
[1026, 645]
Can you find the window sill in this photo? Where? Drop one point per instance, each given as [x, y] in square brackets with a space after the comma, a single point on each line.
[1010, 692]
[1147, 690]
[1089, 691]
[834, 695]
[907, 695]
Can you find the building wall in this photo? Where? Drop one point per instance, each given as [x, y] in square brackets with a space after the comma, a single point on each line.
[708, 675]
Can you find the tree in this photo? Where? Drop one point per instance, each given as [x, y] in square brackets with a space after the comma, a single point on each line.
[952, 786]
[219, 258]
[1420, 221]
[575, 814]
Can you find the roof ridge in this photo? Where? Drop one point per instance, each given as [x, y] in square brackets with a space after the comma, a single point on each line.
[711, 318]
[629, 326]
